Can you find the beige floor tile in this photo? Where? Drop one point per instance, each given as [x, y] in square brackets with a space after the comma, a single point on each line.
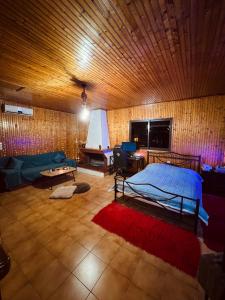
[38, 226]
[37, 263]
[149, 278]
[90, 239]
[131, 248]
[86, 219]
[34, 217]
[106, 250]
[185, 278]
[26, 249]
[48, 212]
[11, 241]
[111, 286]
[134, 293]
[71, 289]
[13, 229]
[57, 216]
[12, 283]
[72, 256]
[89, 270]
[125, 262]
[156, 261]
[6, 220]
[49, 279]
[114, 238]
[174, 289]
[91, 297]
[57, 246]
[49, 234]
[78, 231]
[66, 223]
[24, 213]
[97, 229]
[78, 213]
[27, 293]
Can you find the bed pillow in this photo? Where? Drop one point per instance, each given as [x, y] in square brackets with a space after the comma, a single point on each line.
[14, 163]
[58, 158]
[63, 192]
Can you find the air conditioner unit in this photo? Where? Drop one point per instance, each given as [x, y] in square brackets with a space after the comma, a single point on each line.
[17, 110]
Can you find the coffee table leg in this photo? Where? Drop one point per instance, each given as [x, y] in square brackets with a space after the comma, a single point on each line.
[74, 177]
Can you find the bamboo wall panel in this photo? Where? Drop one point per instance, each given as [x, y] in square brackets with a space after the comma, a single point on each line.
[198, 125]
[46, 131]
[133, 52]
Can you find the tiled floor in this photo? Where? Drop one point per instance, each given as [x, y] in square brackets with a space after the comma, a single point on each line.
[59, 254]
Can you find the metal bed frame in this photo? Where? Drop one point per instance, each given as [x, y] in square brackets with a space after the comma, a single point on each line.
[172, 158]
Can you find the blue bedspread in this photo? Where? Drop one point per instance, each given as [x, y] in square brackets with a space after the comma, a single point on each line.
[179, 181]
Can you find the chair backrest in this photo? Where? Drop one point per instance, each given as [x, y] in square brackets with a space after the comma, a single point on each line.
[120, 159]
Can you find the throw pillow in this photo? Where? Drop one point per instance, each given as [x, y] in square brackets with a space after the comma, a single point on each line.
[58, 158]
[63, 192]
[14, 163]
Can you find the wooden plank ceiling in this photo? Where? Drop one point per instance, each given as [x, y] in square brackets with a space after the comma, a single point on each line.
[133, 52]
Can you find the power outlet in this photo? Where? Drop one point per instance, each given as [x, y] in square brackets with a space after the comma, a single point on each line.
[1, 147]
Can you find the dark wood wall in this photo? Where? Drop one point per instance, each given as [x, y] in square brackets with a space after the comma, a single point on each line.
[47, 130]
[198, 125]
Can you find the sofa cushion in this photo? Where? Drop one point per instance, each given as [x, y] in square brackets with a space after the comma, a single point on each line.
[33, 173]
[14, 163]
[58, 158]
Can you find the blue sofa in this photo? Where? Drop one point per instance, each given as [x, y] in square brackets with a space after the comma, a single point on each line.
[24, 169]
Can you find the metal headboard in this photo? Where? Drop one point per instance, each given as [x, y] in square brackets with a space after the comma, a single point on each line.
[177, 159]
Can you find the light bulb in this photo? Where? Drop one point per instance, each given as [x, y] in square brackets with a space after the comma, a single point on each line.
[84, 113]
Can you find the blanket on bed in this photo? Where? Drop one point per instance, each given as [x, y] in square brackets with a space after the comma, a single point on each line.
[169, 179]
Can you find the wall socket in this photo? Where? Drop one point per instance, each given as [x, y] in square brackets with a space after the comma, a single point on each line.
[1, 147]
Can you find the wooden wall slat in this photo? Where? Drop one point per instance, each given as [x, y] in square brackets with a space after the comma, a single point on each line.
[198, 125]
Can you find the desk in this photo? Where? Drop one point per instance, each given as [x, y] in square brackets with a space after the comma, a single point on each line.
[137, 162]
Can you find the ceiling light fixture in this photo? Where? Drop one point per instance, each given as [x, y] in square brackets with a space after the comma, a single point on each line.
[84, 114]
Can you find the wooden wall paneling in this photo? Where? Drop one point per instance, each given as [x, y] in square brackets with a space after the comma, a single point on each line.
[45, 131]
[198, 125]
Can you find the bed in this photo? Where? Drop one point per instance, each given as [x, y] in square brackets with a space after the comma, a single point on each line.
[171, 181]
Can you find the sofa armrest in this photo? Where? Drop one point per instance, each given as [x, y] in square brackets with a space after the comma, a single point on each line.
[10, 177]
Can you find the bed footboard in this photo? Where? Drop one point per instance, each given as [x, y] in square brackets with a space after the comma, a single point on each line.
[171, 196]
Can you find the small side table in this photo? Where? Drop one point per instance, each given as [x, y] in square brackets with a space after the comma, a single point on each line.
[138, 162]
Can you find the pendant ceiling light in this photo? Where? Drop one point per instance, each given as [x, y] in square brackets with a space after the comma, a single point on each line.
[84, 110]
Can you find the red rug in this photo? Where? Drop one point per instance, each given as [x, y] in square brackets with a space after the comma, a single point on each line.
[174, 245]
[214, 233]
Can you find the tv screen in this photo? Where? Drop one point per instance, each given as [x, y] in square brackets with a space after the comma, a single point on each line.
[129, 146]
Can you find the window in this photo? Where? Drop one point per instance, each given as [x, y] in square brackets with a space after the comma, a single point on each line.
[152, 134]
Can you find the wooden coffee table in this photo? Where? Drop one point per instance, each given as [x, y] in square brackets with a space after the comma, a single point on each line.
[58, 172]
